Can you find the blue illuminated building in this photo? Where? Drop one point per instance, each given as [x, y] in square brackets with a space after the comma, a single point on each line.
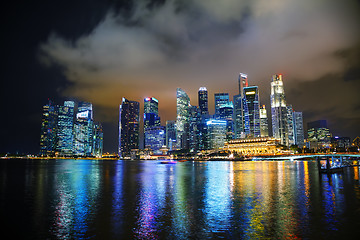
[48, 129]
[155, 138]
[65, 124]
[216, 133]
[83, 130]
[98, 140]
[170, 134]
[251, 111]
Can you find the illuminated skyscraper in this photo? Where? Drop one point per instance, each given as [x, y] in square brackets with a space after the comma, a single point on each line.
[128, 127]
[243, 82]
[221, 99]
[151, 120]
[217, 133]
[264, 125]
[291, 125]
[65, 124]
[238, 117]
[299, 129]
[84, 130]
[151, 113]
[170, 134]
[251, 111]
[279, 110]
[194, 128]
[155, 138]
[319, 134]
[203, 101]
[182, 118]
[98, 140]
[48, 129]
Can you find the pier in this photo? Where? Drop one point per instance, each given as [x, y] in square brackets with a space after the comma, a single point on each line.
[326, 162]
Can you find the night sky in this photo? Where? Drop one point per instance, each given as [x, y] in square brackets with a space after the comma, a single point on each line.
[102, 50]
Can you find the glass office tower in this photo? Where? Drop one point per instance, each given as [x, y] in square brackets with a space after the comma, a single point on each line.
[65, 135]
[279, 110]
[48, 129]
[84, 130]
[128, 127]
[251, 111]
[299, 129]
[171, 134]
[182, 118]
[264, 124]
[203, 101]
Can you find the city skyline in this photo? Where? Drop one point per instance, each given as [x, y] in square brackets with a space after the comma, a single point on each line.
[149, 48]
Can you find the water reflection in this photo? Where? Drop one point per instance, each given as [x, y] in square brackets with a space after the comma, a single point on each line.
[68, 199]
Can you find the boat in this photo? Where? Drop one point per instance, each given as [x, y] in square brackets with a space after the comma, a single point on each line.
[168, 162]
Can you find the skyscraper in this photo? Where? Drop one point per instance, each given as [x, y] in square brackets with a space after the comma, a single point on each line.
[170, 134]
[291, 124]
[264, 124]
[251, 111]
[203, 101]
[151, 112]
[182, 118]
[279, 110]
[98, 140]
[243, 82]
[84, 130]
[238, 117]
[194, 128]
[220, 100]
[319, 134]
[155, 138]
[128, 127]
[217, 133]
[65, 124]
[151, 120]
[299, 129]
[48, 129]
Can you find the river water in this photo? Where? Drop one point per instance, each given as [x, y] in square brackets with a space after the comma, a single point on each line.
[90, 199]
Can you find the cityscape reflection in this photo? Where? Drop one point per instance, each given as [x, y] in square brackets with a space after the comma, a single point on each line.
[65, 199]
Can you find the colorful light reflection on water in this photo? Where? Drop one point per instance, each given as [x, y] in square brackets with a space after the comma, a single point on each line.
[83, 199]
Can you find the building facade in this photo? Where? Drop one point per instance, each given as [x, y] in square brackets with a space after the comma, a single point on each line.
[84, 130]
[216, 133]
[251, 111]
[128, 127]
[299, 129]
[65, 135]
[48, 133]
[279, 110]
[254, 146]
[203, 101]
[264, 124]
[170, 135]
[182, 118]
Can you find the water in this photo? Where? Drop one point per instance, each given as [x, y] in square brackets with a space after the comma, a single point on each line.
[85, 199]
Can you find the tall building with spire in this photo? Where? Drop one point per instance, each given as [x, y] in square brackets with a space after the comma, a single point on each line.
[182, 118]
[128, 127]
[279, 110]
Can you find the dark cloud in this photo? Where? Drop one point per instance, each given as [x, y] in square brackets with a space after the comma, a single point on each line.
[143, 48]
